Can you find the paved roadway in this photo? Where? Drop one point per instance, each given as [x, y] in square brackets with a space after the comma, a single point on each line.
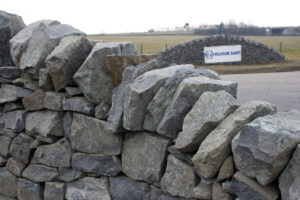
[281, 89]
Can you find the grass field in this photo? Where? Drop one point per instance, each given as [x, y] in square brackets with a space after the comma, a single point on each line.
[153, 44]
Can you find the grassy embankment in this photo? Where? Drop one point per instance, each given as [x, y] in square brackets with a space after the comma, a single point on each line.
[154, 44]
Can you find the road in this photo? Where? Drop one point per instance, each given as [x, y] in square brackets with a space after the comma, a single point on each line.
[281, 89]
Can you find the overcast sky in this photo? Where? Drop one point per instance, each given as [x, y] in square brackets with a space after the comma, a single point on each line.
[112, 16]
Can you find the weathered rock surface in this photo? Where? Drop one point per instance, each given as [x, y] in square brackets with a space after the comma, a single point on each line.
[187, 157]
[95, 163]
[27, 83]
[19, 42]
[67, 124]
[20, 147]
[54, 100]
[65, 60]
[140, 93]
[10, 93]
[180, 179]
[45, 123]
[40, 173]
[68, 174]
[54, 191]
[227, 169]
[45, 82]
[219, 194]
[93, 78]
[217, 145]
[15, 166]
[10, 72]
[8, 183]
[43, 41]
[88, 188]
[91, 135]
[15, 120]
[264, 146]
[73, 91]
[34, 101]
[289, 179]
[144, 156]
[166, 196]
[29, 190]
[10, 25]
[101, 110]
[247, 189]
[156, 108]
[12, 106]
[79, 104]
[186, 95]
[4, 145]
[124, 188]
[54, 155]
[206, 114]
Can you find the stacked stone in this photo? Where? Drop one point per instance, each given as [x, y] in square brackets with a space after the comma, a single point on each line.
[193, 51]
[167, 132]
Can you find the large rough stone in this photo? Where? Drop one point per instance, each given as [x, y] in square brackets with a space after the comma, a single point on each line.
[144, 156]
[79, 104]
[219, 194]
[10, 25]
[43, 41]
[45, 82]
[180, 179]
[227, 169]
[141, 92]
[93, 78]
[54, 101]
[8, 183]
[65, 60]
[217, 145]
[15, 120]
[156, 108]
[73, 91]
[27, 83]
[45, 123]
[4, 145]
[40, 173]
[186, 95]
[247, 189]
[206, 114]
[91, 135]
[54, 191]
[95, 163]
[88, 188]
[68, 174]
[10, 93]
[34, 101]
[289, 179]
[124, 188]
[29, 190]
[15, 166]
[19, 42]
[10, 72]
[187, 157]
[12, 106]
[20, 147]
[54, 155]
[264, 146]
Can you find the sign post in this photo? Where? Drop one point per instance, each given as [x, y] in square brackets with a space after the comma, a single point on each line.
[223, 54]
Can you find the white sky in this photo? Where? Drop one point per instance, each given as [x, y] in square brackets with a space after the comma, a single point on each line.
[112, 16]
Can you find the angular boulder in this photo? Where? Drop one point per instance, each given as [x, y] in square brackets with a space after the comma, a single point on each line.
[181, 180]
[186, 95]
[40, 173]
[217, 145]
[45, 82]
[15, 166]
[143, 156]
[264, 146]
[4, 145]
[227, 169]
[10, 72]
[10, 93]
[54, 191]
[69, 174]
[12, 106]
[8, 183]
[79, 104]
[15, 120]
[10, 25]
[20, 147]
[219, 194]
[29, 190]
[54, 155]
[101, 165]
[65, 60]
[88, 188]
[73, 91]
[156, 108]
[91, 135]
[27, 83]
[54, 101]
[124, 188]
[45, 123]
[206, 114]
[34, 101]
[93, 78]
[140, 93]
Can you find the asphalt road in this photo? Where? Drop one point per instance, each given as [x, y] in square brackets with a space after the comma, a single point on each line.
[281, 89]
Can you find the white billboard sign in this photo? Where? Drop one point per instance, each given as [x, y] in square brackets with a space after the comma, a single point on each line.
[221, 54]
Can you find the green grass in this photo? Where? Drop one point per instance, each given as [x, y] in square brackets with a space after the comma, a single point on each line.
[154, 44]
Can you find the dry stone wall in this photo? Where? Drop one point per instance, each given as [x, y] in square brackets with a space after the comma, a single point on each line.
[166, 132]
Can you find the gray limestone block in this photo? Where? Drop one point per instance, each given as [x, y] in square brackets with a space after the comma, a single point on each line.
[10, 72]
[34, 101]
[15, 120]
[79, 104]
[68, 174]
[13, 106]
[45, 82]
[5, 142]
[29, 190]
[27, 83]
[73, 91]
[15, 166]
[54, 191]
[8, 183]
[54, 100]
[10, 93]
[40, 173]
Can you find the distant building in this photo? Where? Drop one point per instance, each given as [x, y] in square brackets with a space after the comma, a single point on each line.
[284, 31]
